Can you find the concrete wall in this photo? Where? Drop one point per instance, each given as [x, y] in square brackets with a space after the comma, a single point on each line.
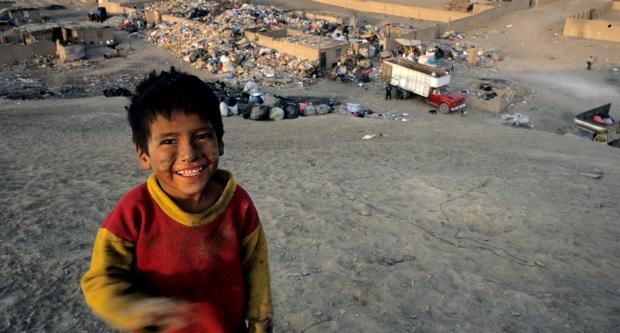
[278, 42]
[429, 33]
[6, 4]
[36, 36]
[592, 29]
[89, 36]
[70, 52]
[585, 24]
[117, 8]
[594, 13]
[19, 52]
[537, 3]
[421, 13]
[453, 20]
[486, 15]
[496, 105]
[283, 46]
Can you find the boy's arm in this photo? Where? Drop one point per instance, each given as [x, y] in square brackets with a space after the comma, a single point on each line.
[107, 285]
[255, 263]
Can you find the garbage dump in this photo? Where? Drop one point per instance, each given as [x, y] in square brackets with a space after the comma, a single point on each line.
[211, 37]
[249, 101]
[221, 48]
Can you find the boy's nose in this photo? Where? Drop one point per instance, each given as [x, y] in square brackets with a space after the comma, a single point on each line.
[188, 152]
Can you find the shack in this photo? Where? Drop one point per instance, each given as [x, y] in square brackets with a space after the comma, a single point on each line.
[30, 33]
[20, 15]
[325, 50]
[28, 40]
[6, 4]
[390, 32]
[88, 33]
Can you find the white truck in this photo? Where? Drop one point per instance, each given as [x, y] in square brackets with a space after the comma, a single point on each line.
[426, 81]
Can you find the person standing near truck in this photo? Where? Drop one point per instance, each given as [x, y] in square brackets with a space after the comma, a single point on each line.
[589, 62]
[388, 91]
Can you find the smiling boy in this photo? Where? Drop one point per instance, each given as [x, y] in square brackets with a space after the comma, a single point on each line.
[185, 251]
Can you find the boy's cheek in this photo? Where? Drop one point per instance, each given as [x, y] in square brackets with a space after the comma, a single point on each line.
[164, 164]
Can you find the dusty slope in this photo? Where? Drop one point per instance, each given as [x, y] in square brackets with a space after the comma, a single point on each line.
[553, 67]
[436, 226]
[443, 224]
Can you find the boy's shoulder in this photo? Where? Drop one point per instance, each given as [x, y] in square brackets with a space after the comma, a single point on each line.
[125, 218]
[137, 196]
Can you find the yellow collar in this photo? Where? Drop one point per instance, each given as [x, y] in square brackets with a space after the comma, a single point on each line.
[171, 209]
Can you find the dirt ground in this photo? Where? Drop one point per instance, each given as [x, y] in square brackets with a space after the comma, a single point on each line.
[444, 223]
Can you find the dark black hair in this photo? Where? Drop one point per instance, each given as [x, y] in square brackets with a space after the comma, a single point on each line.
[167, 92]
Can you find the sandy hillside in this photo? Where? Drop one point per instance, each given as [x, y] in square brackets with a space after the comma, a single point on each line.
[551, 67]
[443, 224]
[435, 226]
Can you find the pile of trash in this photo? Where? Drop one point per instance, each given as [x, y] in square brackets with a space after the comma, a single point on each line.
[249, 102]
[198, 10]
[23, 88]
[221, 48]
[131, 23]
[516, 119]
[451, 35]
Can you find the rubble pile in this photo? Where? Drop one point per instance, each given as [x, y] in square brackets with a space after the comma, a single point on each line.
[221, 48]
[130, 23]
[251, 16]
[199, 10]
[22, 88]
[18, 86]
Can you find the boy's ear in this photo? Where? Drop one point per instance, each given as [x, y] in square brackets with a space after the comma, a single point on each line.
[220, 146]
[143, 158]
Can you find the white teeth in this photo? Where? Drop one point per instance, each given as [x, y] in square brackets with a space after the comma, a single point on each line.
[190, 173]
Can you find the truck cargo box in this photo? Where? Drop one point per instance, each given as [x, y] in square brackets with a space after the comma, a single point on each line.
[414, 77]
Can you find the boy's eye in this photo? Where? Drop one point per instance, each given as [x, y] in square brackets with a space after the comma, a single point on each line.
[167, 142]
[203, 136]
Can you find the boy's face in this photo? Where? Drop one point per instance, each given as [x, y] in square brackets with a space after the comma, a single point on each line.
[183, 152]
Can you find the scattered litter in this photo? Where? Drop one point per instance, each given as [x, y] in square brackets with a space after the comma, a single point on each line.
[516, 119]
[372, 136]
[356, 110]
[596, 174]
[116, 92]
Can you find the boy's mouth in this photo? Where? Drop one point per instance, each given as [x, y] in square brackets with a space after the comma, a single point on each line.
[190, 172]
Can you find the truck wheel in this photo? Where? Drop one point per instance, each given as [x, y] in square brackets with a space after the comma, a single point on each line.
[444, 108]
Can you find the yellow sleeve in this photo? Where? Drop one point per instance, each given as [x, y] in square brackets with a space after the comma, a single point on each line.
[255, 262]
[107, 285]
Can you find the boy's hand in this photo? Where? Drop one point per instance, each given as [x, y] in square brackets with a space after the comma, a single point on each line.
[161, 315]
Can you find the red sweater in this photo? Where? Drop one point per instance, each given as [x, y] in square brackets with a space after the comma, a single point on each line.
[216, 259]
